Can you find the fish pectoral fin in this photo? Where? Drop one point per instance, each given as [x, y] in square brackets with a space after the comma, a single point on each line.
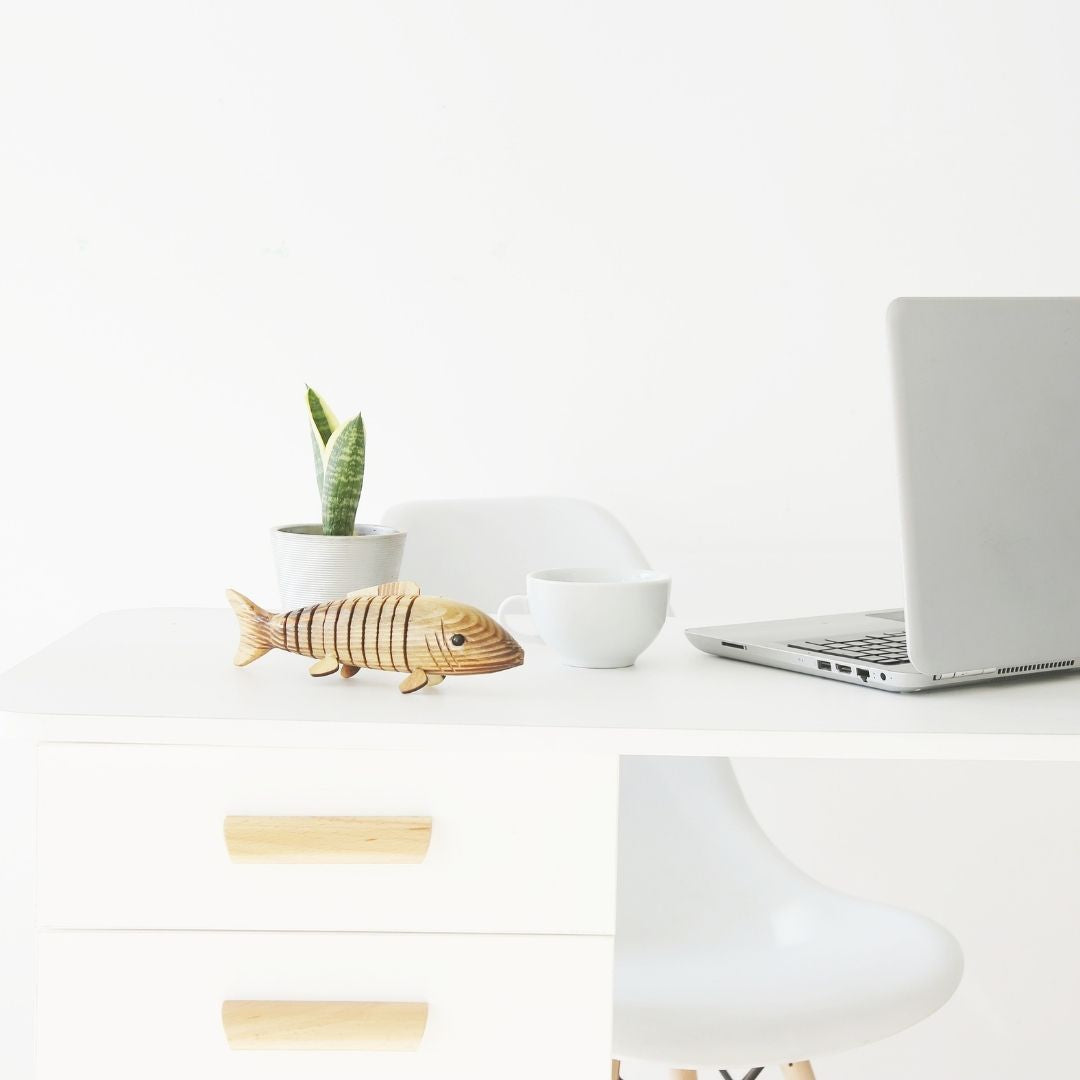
[415, 680]
[326, 666]
[434, 678]
[388, 588]
[348, 671]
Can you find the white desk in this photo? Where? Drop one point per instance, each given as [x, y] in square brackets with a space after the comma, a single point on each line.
[164, 676]
[147, 738]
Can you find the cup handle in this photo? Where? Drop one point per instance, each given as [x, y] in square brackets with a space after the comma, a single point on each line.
[514, 605]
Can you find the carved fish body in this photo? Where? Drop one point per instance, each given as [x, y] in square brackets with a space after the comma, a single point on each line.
[387, 628]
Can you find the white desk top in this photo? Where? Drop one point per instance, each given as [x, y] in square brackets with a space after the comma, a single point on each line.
[166, 676]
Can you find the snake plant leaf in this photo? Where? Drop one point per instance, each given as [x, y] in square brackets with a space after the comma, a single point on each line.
[317, 449]
[322, 416]
[323, 424]
[343, 477]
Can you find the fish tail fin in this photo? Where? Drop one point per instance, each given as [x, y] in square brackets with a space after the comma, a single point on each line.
[254, 623]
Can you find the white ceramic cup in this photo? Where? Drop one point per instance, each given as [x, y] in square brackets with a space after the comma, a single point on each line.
[594, 618]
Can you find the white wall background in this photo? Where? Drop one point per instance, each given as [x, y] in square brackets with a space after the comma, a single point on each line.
[636, 252]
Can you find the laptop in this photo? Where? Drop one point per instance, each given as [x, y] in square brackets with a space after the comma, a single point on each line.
[987, 404]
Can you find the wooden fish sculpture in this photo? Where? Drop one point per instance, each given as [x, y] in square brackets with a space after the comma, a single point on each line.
[387, 628]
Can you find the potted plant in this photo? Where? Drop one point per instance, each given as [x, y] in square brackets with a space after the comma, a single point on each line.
[322, 562]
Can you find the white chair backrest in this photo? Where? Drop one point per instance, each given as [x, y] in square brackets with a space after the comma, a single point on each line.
[479, 550]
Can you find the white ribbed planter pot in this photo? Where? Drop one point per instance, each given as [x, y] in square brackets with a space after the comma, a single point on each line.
[312, 568]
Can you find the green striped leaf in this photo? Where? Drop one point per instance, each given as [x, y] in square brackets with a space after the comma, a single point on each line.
[323, 420]
[343, 477]
[323, 424]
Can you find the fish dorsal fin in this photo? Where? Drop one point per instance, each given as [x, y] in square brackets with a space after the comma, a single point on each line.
[389, 588]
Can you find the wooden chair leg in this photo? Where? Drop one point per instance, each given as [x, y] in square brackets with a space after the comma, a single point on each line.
[614, 1070]
[798, 1070]
[683, 1074]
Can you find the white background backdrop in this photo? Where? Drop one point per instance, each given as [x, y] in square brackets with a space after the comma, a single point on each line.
[635, 252]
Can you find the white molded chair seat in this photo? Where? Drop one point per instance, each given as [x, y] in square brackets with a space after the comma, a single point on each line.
[726, 954]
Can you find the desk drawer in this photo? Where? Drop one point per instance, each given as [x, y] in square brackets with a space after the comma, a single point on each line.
[150, 1004]
[134, 837]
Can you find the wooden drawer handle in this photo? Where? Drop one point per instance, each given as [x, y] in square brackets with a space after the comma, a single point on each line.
[324, 1025]
[327, 839]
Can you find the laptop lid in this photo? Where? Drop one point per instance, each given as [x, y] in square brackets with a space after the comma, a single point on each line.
[988, 411]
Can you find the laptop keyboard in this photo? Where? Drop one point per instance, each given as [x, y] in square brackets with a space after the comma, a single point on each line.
[887, 649]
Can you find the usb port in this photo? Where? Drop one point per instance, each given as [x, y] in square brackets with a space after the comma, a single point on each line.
[843, 668]
[824, 665]
[732, 645]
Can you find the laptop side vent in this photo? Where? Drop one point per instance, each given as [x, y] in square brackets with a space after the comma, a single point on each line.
[1035, 667]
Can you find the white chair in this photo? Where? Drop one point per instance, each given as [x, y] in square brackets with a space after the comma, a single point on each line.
[479, 550]
[726, 954]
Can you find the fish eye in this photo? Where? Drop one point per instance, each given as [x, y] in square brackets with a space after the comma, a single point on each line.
[458, 640]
